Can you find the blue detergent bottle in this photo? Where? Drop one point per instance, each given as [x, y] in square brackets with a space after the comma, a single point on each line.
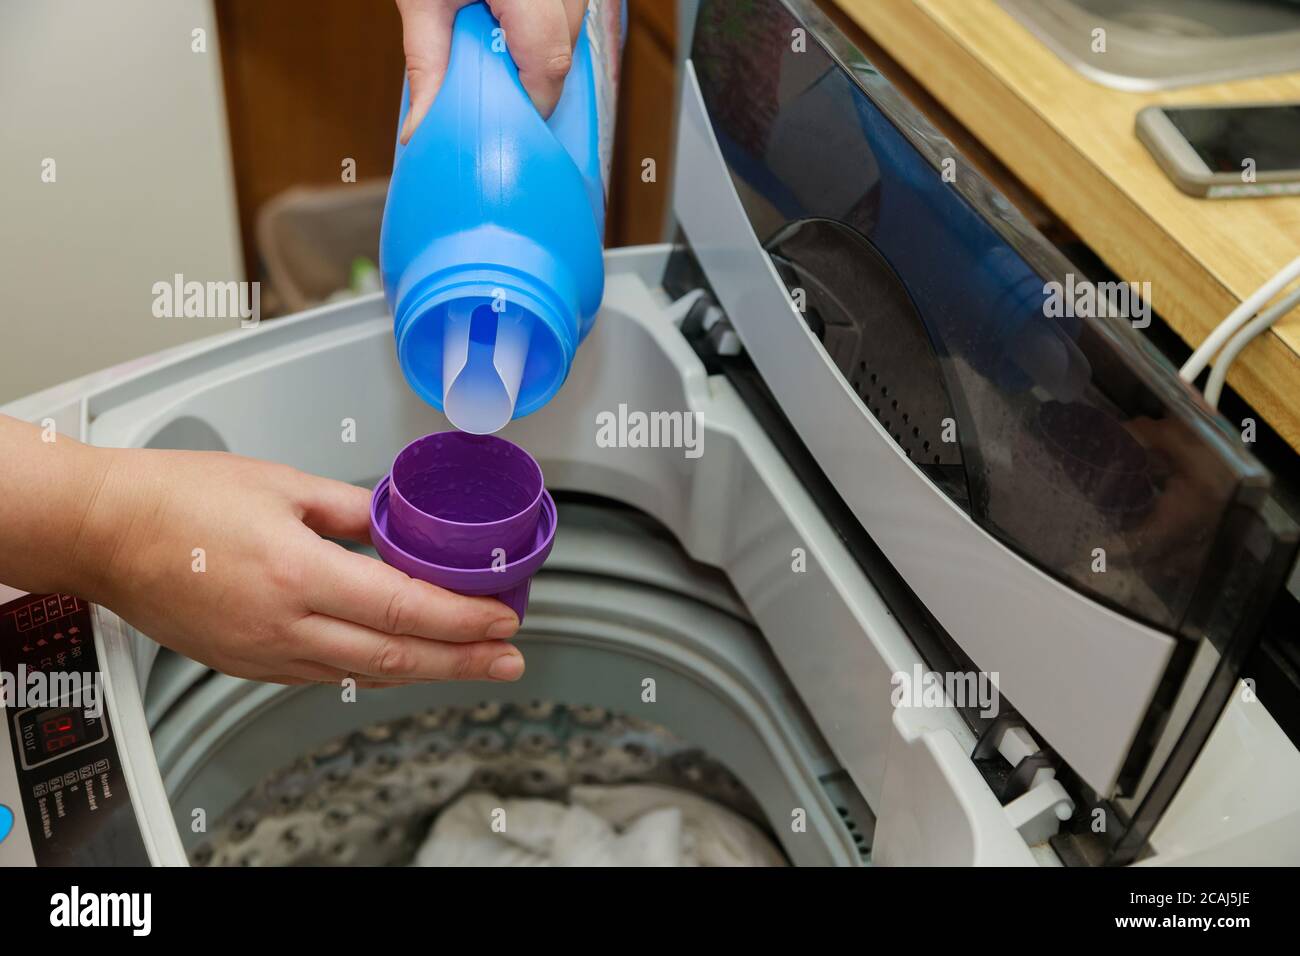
[491, 243]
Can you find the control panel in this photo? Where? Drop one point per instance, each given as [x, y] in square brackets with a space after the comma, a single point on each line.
[63, 795]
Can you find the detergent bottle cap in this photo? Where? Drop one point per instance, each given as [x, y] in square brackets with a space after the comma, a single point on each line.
[469, 513]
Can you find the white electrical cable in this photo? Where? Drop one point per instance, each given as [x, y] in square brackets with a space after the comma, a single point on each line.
[1214, 387]
[1239, 317]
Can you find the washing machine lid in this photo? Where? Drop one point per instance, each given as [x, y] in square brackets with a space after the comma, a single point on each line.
[1080, 523]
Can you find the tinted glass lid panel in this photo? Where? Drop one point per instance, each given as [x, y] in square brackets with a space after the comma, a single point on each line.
[1019, 389]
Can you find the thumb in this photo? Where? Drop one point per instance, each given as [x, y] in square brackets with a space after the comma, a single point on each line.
[426, 43]
[333, 509]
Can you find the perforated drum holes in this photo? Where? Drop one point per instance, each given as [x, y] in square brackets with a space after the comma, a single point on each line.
[370, 797]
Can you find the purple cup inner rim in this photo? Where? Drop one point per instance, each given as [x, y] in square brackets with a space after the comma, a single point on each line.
[466, 479]
[468, 580]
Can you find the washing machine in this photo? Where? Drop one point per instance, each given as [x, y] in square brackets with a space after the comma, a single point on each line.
[189, 764]
[886, 482]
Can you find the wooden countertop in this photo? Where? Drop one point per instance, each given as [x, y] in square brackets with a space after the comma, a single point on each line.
[1071, 141]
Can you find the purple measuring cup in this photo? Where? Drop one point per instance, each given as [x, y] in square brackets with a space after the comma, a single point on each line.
[469, 513]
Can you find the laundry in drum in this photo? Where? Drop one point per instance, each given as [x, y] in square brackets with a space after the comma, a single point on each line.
[537, 784]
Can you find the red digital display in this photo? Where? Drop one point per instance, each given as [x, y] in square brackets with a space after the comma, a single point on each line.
[60, 730]
[57, 734]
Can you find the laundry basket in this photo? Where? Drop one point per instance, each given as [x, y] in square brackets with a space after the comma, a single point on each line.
[310, 239]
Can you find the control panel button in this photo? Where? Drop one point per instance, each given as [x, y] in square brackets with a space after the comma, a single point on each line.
[6, 822]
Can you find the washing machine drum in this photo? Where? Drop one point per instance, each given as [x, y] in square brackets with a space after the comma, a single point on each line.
[644, 673]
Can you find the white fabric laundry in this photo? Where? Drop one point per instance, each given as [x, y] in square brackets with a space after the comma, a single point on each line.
[624, 825]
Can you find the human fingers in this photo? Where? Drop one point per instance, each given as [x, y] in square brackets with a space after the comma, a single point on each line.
[426, 42]
[538, 37]
[352, 587]
[370, 654]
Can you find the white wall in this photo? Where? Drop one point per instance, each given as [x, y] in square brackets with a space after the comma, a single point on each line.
[136, 125]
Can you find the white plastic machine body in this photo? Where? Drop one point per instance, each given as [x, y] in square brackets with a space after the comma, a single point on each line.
[830, 221]
[283, 392]
[786, 674]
